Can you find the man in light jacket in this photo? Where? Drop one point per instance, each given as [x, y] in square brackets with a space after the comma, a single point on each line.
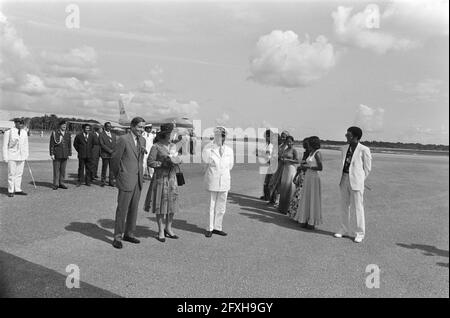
[356, 166]
[219, 159]
[15, 152]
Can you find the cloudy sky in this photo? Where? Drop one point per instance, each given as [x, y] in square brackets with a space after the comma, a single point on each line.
[309, 67]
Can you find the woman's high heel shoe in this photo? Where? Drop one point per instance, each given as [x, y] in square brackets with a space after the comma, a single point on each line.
[162, 240]
[170, 236]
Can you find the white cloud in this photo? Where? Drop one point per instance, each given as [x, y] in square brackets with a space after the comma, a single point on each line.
[281, 59]
[33, 85]
[403, 25]
[70, 82]
[78, 62]
[425, 135]
[358, 31]
[223, 119]
[427, 90]
[420, 17]
[10, 42]
[369, 119]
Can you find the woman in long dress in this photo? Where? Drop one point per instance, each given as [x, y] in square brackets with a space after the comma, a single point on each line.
[309, 213]
[162, 195]
[298, 181]
[275, 180]
[289, 161]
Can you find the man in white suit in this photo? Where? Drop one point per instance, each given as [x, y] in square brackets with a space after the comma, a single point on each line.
[219, 159]
[356, 163]
[148, 136]
[15, 152]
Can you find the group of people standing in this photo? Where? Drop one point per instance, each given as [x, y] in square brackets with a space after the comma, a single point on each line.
[162, 197]
[294, 185]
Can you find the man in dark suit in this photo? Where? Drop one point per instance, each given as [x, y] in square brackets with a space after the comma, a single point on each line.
[126, 164]
[60, 150]
[84, 145]
[96, 152]
[107, 143]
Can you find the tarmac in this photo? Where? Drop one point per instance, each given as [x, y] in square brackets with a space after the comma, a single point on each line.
[265, 254]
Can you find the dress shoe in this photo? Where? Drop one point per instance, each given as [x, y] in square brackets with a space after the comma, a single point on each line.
[221, 233]
[208, 233]
[167, 234]
[21, 193]
[303, 225]
[162, 240]
[117, 244]
[55, 187]
[131, 239]
[358, 239]
[63, 186]
[102, 184]
[112, 185]
[10, 195]
[310, 227]
[88, 184]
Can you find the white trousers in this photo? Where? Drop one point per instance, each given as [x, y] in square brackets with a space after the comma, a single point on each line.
[217, 209]
[352, 206]
[15, 172]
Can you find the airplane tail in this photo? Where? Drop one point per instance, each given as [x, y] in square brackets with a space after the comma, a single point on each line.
[124, 101]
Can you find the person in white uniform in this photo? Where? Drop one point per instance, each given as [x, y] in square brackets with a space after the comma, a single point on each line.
[356, 163]
[148, 136]
[15, 152]
[219, 159]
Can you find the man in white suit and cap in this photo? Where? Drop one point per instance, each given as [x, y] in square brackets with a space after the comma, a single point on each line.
[15, 152]
[356, 166]
[219, 159]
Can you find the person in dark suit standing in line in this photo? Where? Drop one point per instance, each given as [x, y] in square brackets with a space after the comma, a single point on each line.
[84, 145]
[127, 167]
[60, 150]
[107, 144]
[96, 152]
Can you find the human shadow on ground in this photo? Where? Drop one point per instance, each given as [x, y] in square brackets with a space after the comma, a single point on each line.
[91, 230]
[101, 231]
[3, 190]
[428, 250]
[267, 214]
[141, 231]
[42, 184]
[183, 225]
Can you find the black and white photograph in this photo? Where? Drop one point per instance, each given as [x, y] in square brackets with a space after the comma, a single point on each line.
[224, 155]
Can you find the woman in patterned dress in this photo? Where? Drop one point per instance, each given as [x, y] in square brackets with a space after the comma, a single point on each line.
[298, 181]
[162, 195]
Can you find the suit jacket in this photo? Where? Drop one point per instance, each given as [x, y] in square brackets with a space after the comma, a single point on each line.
[15, 146]
[107, 144]
[96, 148]
[83, 147]
[360, 165]
[217, 176]
[126, 162]
[60, 145]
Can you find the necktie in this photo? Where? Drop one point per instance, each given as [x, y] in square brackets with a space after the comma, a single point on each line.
[19, 131]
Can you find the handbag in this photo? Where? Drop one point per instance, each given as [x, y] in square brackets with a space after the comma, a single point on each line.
[180, 177]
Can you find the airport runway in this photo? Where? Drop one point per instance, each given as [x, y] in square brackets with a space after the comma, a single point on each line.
[265, 254]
